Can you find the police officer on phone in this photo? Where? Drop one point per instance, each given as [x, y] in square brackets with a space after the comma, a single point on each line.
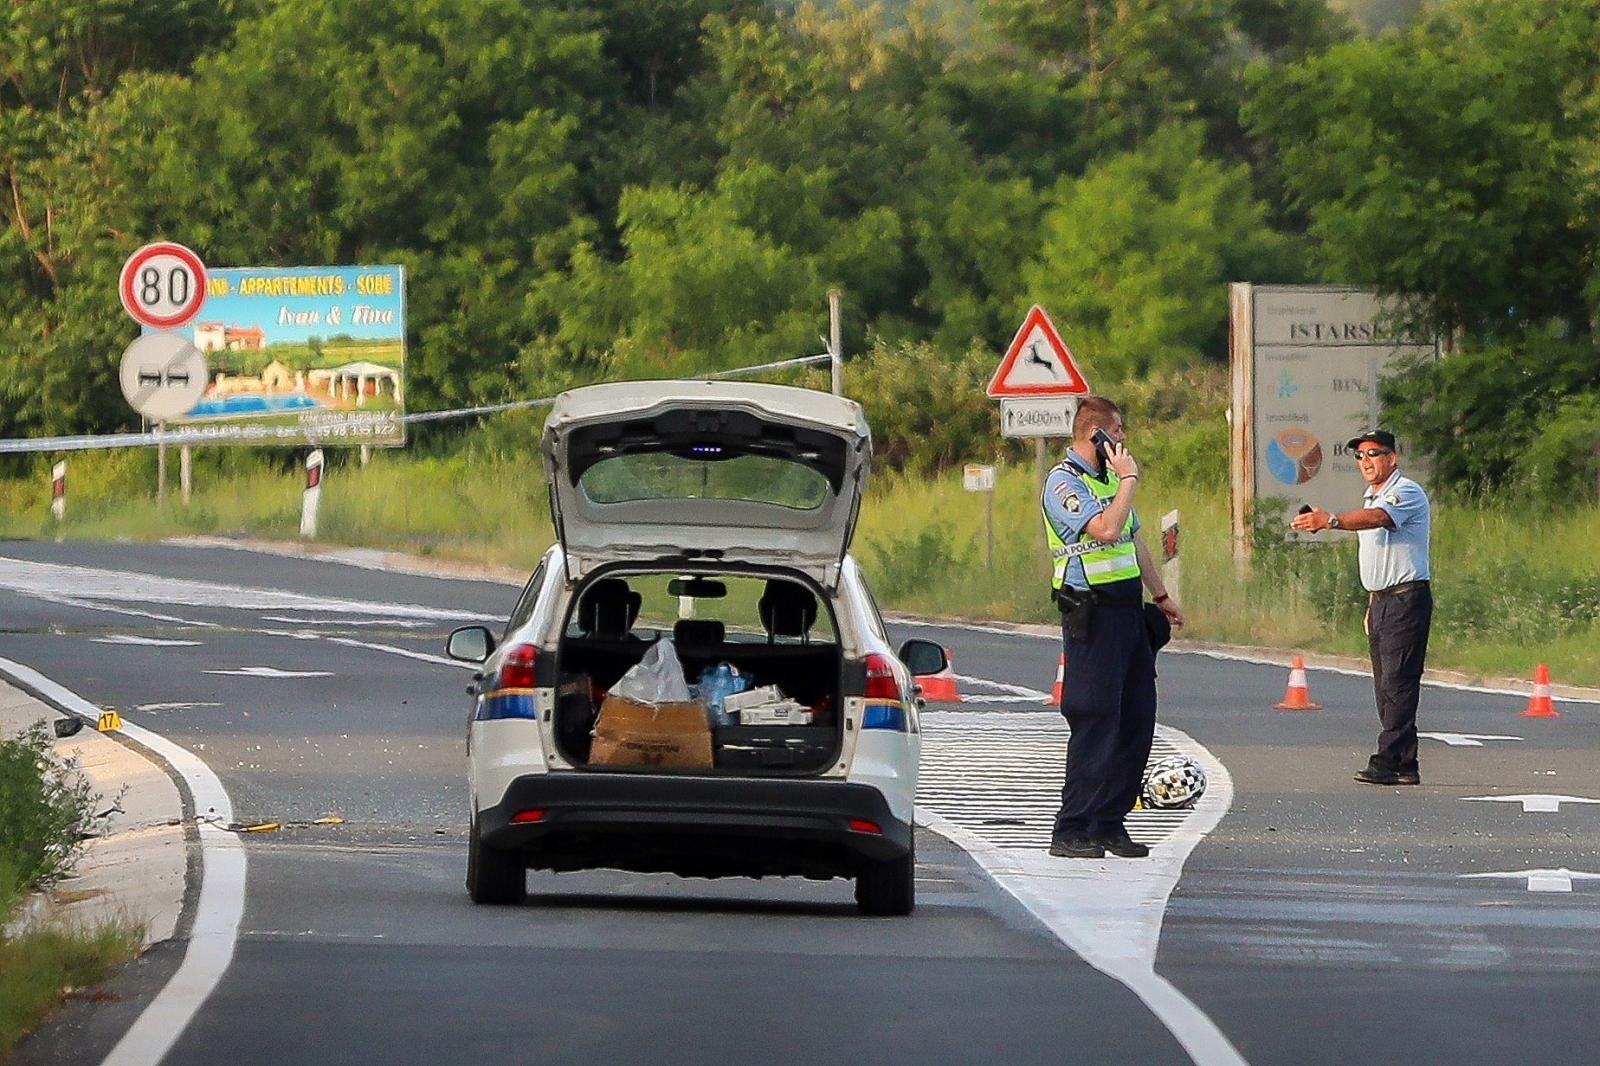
[1392, 529]
[1108, 691]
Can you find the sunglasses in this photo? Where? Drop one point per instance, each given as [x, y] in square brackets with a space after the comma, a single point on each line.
[1373, 453]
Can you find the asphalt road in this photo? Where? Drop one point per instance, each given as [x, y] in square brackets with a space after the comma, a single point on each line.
[1320, 922]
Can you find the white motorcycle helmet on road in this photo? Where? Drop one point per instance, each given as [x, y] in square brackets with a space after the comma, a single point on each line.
[1173, 783]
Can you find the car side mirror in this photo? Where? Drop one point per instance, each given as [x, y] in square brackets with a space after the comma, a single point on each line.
[470, 644]
[923, 657]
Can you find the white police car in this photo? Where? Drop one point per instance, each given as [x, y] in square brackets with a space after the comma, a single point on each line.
[719, 515]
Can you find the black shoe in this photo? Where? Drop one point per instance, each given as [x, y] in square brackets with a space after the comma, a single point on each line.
[1077, 848]
[1123, 846]
[1374, 775]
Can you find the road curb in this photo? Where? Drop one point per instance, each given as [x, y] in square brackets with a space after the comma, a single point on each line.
[136, 866]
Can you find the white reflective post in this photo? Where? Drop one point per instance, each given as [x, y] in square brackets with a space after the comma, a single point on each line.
[58, 491]
[312, 496]
[1171, 572]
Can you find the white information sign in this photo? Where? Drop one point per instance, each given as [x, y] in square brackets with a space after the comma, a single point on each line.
[1306, 363]
[1041, 416]
[163, 375]
[975, 478]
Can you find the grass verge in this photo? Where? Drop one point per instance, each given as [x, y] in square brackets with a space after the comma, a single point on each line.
[1513, 587]
[45, 809]
[39, 968]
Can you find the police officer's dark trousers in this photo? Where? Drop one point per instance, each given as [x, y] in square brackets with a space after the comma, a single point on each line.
[1109, 700]
[1398, 639]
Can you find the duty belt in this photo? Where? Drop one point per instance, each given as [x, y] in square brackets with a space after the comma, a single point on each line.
[1404, 586]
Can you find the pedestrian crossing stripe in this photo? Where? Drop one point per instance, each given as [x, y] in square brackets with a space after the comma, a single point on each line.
[999, 777]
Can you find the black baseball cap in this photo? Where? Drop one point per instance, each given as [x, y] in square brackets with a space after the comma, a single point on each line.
[1372, 436]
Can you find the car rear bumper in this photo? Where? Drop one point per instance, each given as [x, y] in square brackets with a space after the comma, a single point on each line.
[695, 826]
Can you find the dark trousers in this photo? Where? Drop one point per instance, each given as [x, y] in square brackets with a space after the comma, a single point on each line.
[1398, 639]
[1109, 699]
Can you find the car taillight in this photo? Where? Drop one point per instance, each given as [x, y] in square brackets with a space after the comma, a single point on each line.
[881, 684]
[861, 825]
[534, 814]
[516, 669]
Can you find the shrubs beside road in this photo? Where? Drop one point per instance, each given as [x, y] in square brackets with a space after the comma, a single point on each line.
[46, 810]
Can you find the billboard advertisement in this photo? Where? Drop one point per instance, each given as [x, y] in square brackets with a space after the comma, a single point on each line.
[1307, 360]
[302, 355]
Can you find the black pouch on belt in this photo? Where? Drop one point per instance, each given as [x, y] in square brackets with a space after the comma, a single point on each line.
[1077, 611]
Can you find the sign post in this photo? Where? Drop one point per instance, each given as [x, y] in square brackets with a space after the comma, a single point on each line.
[975, 478]
[312, 496]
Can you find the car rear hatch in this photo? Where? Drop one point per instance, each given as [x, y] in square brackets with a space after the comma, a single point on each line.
[712, 471]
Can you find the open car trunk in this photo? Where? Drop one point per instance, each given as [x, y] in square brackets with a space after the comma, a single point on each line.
[772, 636]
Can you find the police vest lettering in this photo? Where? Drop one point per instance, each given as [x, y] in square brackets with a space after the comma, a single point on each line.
[1103, 563]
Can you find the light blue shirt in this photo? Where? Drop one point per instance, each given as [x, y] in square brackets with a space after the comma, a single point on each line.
[1069, 505]
[1394, 556]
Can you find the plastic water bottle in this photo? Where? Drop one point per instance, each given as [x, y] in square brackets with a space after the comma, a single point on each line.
[716, 683]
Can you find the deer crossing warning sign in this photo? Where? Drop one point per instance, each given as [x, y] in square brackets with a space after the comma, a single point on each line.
[1037, 363]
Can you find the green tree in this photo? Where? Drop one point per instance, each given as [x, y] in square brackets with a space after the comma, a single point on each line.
[1135, 256]
[1438, 164]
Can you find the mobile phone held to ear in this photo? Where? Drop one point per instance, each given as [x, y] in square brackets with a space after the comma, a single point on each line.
[1102, 440]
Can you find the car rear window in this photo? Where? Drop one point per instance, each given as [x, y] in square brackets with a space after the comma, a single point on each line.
[706, 476]
[739, 612]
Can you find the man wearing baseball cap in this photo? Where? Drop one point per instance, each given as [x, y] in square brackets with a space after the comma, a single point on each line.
[1392, 529]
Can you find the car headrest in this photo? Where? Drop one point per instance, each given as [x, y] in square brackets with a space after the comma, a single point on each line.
[697, 632]
[608, 608]
[787, 609]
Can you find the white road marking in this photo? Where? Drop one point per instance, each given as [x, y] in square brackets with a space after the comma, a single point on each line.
[1018, 693]
[1557, 880]
[172, 706]
[1108, 911]
[50, 580]
[1466, 740]
[271, 671]
[153, 642]
[1054, 636]
[397, 623]
[407, 652]
[1540, 803]
[216, 920]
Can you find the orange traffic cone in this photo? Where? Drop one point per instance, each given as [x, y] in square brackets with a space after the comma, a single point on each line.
[1540, 705]
[941, 686]
[1061, 672]
[1298, 696]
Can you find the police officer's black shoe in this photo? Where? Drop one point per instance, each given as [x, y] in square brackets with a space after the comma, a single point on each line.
[1377, 775]
[1077, 848]
[1120, 844]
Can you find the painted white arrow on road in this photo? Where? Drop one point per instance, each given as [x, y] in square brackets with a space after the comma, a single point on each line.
[1544, 880]
[271, 671]
[1466, 740]
[1542, 803]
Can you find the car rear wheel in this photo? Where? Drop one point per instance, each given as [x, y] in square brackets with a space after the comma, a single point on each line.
[888, 888]
[494, 876]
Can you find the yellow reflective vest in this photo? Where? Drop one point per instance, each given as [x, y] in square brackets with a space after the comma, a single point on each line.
[1102, 563]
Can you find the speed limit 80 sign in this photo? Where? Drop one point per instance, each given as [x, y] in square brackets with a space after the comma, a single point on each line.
[162, 285]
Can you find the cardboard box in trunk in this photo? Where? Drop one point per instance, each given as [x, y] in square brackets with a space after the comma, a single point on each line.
[667, 735]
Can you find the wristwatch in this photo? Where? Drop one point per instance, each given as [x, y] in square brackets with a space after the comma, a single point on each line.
[1333, 521]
